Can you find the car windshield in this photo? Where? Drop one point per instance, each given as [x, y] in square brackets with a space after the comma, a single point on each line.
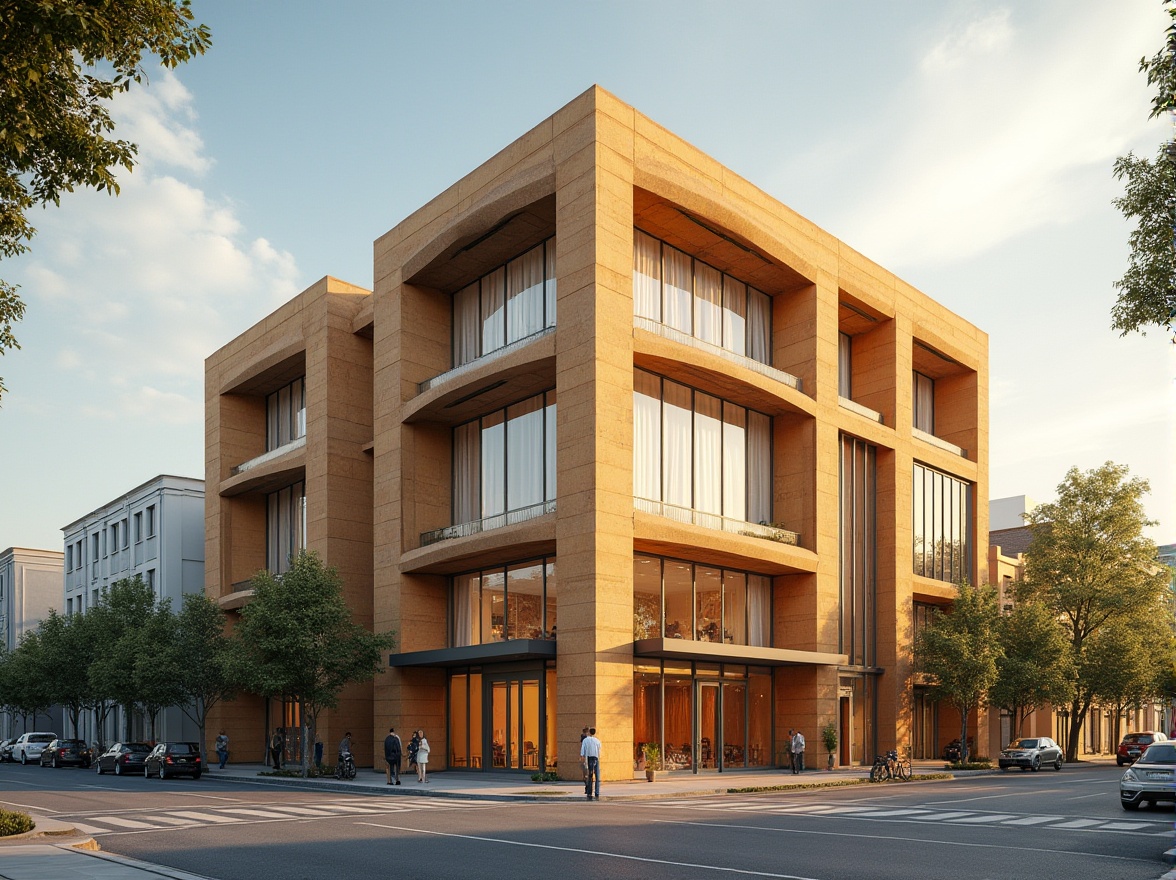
[1159, 754]
[1137, 738]
[42, 738]
[180, 749]
[137, 748]
[71, 742]
[1024, 744]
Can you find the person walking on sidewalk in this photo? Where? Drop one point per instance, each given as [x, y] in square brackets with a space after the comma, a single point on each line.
[798, 752]
[393, 750]
[590, 754]
[422, 757]
[277, 746]
[222, 748]
[788, 746]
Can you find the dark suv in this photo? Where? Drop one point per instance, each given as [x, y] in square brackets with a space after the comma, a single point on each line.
[63, 752]
[174, 759]
[1135, 744]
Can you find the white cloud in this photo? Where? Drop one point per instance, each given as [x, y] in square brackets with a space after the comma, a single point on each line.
[157, 120]
[981, 37]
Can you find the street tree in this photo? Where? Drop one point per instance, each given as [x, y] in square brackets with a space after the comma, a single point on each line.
[958, 652]
[201, 653]
[67, 650]
[1125, 664]
[1089, 564]
[157, 665]
[296, 641]
[26, 687]
[1147, 290]
[61, 62]
[1035, 668]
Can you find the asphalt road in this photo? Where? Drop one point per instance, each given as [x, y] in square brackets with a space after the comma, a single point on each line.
[1015, 825]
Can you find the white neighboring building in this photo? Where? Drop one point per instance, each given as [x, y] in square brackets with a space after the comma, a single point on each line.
[156, 531]
[1007, 513]
[30, 584]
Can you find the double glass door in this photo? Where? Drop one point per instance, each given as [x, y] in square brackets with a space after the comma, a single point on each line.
[513, 721]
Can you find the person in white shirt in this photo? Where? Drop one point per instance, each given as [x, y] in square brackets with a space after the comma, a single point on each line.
[590, 755]
[798, 752]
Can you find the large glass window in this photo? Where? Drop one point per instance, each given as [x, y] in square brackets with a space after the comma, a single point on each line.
[285, 415]
[695, 452]
[680, 600]
[942, 513]
[505, 460]
[285, 526]
[506, 602]
[858, 563]
[692, 297]
[510, 303]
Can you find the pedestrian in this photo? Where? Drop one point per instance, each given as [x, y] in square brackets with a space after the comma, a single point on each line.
[393, 749]
[422, 757]
[222, 748]
[584, 761]
[590, 757]
[276, 747]
[413, 746]
[798, 752]
[345, 746]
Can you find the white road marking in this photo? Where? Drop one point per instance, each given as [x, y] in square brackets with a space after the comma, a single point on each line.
[1034, 820]
[206, 817]
[122, 823]
[983, 817]
[259, 814]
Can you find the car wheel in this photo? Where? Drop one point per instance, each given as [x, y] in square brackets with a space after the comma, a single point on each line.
[196, 775]
[1119, 761]
[98, 767]
[1058, 764]
[146, 772]
[53, 763]
[1129, 806]
[162, 772]
[24, 759]
[1036, 765]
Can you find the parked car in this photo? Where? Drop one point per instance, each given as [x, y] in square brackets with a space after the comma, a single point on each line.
[1031, 753]
[123, 758]
[1134, 744]
[174, 759]
[28, 746]
[63, 752]
[6, 749]
[1151, 778]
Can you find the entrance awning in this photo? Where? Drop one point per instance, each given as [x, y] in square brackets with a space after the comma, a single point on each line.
[473, 655]
[719, 652]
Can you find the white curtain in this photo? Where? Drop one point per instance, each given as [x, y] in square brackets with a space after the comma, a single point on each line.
[549, 447]
[759, 467]
[734, 461]
[646, 276]
[493, 310]
[735, 607]
[676, 443]
[493, 465]
[647, 451]
[708, 452]
[924, 403]
[677, 292]
[465, 610]
[549, 289]
[467, 455]
[524, 295]
[708, 306]
[845, 366]
[524, 453]
[734, 315]
[759, 611]
[467, 328]
[759, 326]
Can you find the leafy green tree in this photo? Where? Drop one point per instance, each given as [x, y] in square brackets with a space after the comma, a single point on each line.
[1089, 564]
[67, 650]
[61, 61]
[296, 641]
[1125, 663]
[1147, 291]
[958, 651]
[157, 666]
[1035, 668]
[26, 687]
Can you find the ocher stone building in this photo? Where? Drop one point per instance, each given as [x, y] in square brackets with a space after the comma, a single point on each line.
[617, 440]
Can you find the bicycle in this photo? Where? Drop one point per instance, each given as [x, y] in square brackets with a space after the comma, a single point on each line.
[345, 769]
[890, 766]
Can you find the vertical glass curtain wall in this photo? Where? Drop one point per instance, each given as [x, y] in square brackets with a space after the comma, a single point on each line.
[285, 415]
[676, 599]
[285, 526]
[505, 602]
[687, 295]
[858, 563]
[695, 452]
[703, 716]
[505, 460]
[942, 513]
[512, 302]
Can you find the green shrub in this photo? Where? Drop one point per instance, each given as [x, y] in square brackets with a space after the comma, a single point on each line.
[548, 776]
[15, 823]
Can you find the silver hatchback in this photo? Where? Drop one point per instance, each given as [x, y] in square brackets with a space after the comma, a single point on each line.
[1031, 753]
[1151, 779]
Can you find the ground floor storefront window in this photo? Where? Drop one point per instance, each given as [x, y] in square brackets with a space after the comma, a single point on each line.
[703, 716]
[503, 718]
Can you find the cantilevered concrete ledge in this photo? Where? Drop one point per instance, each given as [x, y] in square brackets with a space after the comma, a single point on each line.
[719, 652]
[472, 655]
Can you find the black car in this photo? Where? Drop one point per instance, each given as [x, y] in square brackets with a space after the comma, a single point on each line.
[6, 749]
[66, 752]
[174, 759]
[123, 758]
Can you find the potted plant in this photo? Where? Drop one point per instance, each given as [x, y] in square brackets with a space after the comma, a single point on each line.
[829, 740]
[652, 761]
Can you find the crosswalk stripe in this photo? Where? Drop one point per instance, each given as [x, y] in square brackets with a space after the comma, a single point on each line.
[1034, 820]
[206, 817]
[260, 814]
[89, 829]
[942, 817]
[1079, 823]
[1129, 826]
[992, 817]
[303, 811]
[170, 820]
[123, 823]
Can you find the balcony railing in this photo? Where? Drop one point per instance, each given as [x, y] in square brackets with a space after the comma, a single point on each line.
[470, 366]
[686, 339]
[268, 456]
[942, 444]
[510, 518]
[767, 531]
[856, 407]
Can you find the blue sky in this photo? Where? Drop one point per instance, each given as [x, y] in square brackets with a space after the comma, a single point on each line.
[966, 146]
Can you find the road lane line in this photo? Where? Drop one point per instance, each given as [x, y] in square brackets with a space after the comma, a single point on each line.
[896, 838]
[592, 852]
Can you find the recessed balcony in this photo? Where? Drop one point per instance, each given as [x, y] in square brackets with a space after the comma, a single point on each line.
[854, 407]
[939, 443]
[766, 531]
[498, 521]
[675, 335]
[478, 363]
[267, 457]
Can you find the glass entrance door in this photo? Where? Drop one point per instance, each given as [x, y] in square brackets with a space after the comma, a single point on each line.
[512, 726]
[708, 737]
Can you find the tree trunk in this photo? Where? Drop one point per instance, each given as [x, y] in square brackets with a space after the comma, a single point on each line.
[1077, 716]
[964, 713]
